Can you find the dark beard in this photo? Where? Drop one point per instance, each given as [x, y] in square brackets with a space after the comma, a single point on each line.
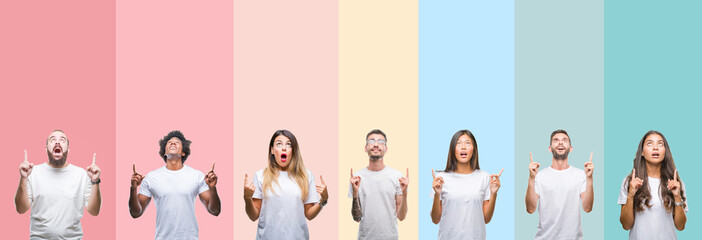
[560, 157]
[57, 163]
[375, 158]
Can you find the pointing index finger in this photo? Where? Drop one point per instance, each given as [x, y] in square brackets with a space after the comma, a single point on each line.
[531, 157]
[213, 164]
[433, 175]
[591, 156]
[134, 168]
[500, 174]
[322, 180]
[352, 172]
[94, 158]
[407, 173]
[25, 155]
[675, 175]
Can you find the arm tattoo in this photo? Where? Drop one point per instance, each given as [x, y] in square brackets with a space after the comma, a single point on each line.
[356, 209]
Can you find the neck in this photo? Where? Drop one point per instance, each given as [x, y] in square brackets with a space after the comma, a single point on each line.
[653, 170]
[559, 164]
[376, 165]
[464, 168]
[174, 164]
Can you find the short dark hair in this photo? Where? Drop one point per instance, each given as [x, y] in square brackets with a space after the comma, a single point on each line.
[377, 131]
[174, 134]
[557, 132]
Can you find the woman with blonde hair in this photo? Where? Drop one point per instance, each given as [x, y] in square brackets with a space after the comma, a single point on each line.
[280, 196]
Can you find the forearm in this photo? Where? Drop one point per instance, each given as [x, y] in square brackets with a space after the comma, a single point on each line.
[135, 208]
[531, 198]
[402, 213]
[490, 208]
[22, 203]
[251, 210]
[436, 209]
[95, 201]
[312, 212]
[214, 205]
[680, 218]
[588, 196]
[626, 217]
[356, 208]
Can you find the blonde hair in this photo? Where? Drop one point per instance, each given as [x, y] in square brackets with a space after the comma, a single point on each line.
[296, 168]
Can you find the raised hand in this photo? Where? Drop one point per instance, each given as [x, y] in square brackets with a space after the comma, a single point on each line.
[249, 188]
[25, 168]
[93, 170]
[322, 190]
[404, 181]
[211, 177]
[355, 182]
[674, 184]
[136, 177]
[495, 182]
[438, 183]
[635, 183]
[533, 167]
[589, 167]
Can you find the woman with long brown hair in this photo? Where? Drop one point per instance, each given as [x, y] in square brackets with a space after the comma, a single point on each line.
[280, 196]
[653, 196]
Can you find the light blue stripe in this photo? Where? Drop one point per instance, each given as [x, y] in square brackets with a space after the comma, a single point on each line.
[466, 81]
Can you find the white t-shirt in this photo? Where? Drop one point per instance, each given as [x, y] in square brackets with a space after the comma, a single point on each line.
[174, 193]
[378, 206]
[58, 197]
[282, 210]
[462, 199]
[559, 203]
[655, 222]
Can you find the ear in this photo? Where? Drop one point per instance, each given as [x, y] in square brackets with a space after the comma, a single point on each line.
[386, 148]
[571, 148]
[549, 148]
[182, 154]
[68, 149]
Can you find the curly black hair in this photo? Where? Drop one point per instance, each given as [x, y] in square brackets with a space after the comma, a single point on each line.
[177, 134]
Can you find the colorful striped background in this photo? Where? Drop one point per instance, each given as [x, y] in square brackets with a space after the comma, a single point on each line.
[117, 75]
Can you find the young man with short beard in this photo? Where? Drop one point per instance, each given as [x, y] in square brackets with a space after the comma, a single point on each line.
[57, 192]
[561, 190]
[379, 193]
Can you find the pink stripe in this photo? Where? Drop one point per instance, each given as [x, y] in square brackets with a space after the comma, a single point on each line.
[286, 78]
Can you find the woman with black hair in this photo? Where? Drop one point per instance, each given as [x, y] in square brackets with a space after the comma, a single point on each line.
[464, 195]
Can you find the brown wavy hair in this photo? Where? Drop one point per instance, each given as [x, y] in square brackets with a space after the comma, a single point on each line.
[643, 195]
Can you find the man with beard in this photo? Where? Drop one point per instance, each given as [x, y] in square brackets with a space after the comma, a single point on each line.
[560, 189]
[174, 187]
[57, 192]
[379, 193]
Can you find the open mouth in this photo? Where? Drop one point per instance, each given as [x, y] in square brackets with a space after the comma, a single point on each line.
[283, 157]
[464, 154]
[57, 150]
[655, 155]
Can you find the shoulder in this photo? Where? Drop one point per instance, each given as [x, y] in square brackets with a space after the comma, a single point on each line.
[259, 174]
[576, 171]
[155, 173]
[482, 173]
[76, 170]
[191, 170]
[392, 171]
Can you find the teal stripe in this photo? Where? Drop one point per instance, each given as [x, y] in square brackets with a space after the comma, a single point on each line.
[653, 81]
